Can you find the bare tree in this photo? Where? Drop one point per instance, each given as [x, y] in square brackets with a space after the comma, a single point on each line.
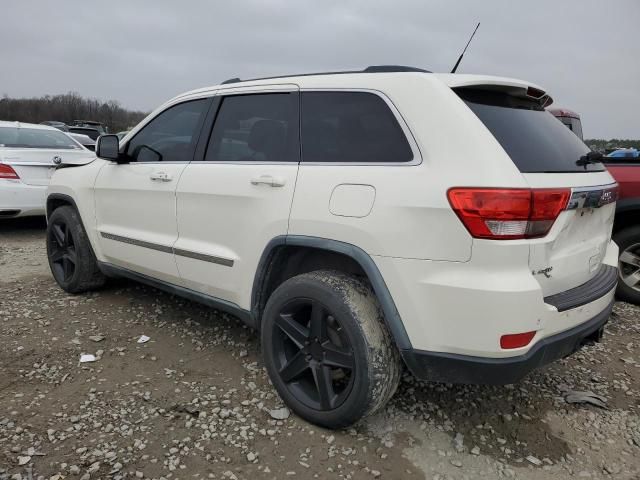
[66, 108]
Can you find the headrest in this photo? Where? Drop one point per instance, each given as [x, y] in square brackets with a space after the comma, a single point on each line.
[268, 137]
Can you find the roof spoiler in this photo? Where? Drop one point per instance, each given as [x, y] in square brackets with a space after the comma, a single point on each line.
[518, 91]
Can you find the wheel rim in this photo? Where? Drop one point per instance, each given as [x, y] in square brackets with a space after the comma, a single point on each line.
[62, 251]
[629, 266]
[313, 354]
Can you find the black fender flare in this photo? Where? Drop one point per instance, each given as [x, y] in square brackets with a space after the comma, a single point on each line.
[391, 314]
[63, 197]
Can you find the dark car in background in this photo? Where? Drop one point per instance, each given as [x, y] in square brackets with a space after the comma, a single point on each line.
[90, 132]
[86, 141]
[100, 127]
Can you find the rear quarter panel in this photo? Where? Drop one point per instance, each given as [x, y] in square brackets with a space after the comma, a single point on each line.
[411, 216]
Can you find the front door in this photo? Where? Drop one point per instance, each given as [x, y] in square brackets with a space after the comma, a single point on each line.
[235, 198]
[135, 200]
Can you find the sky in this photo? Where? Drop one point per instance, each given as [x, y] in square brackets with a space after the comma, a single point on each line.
[585, 53]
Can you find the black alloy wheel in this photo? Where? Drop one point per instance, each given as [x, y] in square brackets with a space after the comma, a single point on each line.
[327, 349]
[62, 248]
[71, 258]
[315, 359]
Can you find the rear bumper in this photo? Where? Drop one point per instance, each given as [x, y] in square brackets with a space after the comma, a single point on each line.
[455, 368]
[604, 281]
[18, 199]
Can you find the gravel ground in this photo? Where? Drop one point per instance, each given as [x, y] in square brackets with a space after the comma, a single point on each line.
[195, 402]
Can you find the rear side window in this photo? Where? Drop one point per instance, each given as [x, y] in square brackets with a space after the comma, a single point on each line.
[256, 128]
[534, 139]
[170, 136]
[35, 138]
[351, 127]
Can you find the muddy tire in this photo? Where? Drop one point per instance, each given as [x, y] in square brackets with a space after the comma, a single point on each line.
[628, 241]
[327, 349]
[71, 259]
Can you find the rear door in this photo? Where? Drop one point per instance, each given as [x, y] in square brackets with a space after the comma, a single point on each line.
[136, 201]
[32, 152]
[237, 195]
[548, 155]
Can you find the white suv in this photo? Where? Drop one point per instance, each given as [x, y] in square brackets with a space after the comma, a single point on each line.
[361, 221]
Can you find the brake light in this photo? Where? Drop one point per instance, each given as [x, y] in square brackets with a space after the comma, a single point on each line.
[7, 172]
[516, 340]
[508, 214]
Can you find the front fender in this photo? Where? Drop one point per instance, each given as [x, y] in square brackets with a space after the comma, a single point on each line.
[75, 187]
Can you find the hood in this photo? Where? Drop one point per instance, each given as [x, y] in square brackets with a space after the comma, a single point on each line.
[76, 161]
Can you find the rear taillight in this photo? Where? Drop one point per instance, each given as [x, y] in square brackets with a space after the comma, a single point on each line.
[508, 214]
[7, 172]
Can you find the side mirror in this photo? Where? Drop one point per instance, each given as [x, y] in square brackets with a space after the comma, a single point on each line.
[108, 147]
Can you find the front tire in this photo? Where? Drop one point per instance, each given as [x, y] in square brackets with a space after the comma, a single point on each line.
[327, 349]
[71, 259]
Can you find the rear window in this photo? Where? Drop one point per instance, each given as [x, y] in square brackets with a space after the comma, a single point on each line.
[534, 139]
[35, 138]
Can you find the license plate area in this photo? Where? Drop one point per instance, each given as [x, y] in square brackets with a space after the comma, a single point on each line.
[573, 251]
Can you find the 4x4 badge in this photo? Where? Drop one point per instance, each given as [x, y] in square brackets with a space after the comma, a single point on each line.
[545, 271]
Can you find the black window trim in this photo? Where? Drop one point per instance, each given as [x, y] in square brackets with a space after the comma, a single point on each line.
[208, 97]
[207, 131]
[218, 95]
[411, 139]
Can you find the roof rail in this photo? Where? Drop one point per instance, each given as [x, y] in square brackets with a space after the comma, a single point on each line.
[369, 69]
[393, 68]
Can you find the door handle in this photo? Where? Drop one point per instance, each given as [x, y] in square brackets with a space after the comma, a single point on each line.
[160, 177]
[268, 180]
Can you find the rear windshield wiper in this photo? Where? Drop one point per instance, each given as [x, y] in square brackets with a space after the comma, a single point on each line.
[591, 157]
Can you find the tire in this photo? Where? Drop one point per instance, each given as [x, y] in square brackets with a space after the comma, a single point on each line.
[327, 329]
[628, 240]
[71, 259]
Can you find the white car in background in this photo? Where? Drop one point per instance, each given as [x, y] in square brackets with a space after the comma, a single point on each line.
[28, 157]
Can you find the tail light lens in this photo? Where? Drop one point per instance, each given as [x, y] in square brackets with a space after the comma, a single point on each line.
[7, 172]
[516, 340]
[508, 214]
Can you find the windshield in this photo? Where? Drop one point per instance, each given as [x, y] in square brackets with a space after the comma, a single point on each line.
[534, 139]
[36, 138]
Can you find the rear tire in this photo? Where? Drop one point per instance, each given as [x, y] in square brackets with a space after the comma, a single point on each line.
[628, 240]
[71, 259]
[327, 349]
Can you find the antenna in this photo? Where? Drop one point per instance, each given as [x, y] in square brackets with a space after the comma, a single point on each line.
[455, 67]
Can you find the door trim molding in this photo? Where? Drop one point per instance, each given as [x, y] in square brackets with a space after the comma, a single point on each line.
[137, 243]
[227, 262]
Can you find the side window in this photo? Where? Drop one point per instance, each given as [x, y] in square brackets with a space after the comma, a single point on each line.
[351, 127]
[255, 128]
[171, 136]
